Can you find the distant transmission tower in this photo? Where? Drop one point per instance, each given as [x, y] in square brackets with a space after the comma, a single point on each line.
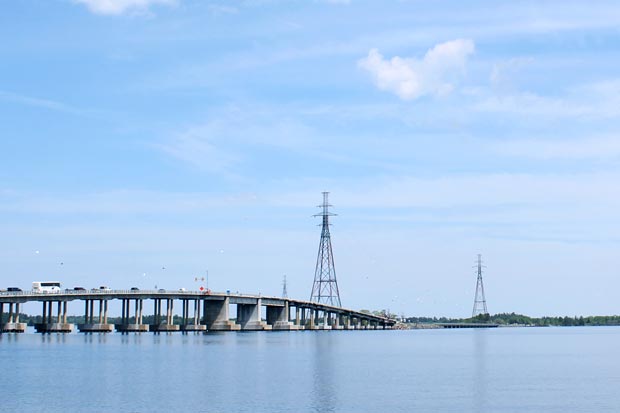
[325, 287]
[284, 291]
[480, 303]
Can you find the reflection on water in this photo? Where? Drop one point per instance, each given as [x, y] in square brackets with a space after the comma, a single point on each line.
[479, 382]
[50, 338]
[323, 397]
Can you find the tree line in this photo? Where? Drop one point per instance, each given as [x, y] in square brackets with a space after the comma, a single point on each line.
[520, 319]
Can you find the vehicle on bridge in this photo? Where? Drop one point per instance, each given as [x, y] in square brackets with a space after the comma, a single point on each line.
[46, 287]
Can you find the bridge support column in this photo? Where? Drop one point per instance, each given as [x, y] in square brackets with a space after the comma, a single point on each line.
[11, 313]
[248, 317]
[304, 313]
[141, 302]
[216, 315]
[311, 322]
[297, 318]
[50, 313]
[64, 312]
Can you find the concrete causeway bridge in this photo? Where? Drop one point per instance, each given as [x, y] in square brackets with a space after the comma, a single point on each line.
[201, 312]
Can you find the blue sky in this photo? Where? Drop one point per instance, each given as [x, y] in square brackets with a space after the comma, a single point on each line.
[199, 135]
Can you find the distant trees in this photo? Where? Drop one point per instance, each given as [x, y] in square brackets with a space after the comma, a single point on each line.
[520, 319]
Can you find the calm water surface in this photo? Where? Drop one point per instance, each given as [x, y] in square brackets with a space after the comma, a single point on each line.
[497, 370]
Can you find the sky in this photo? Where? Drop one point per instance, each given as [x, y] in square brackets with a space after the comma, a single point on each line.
[152, 142]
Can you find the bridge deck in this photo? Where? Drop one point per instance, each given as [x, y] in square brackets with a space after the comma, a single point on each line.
[308, 315]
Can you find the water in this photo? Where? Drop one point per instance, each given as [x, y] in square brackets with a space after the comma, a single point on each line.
[566, 370]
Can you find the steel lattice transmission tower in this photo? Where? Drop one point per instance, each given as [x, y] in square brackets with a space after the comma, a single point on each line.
[325, 287]
[284, 290]
[480, 303]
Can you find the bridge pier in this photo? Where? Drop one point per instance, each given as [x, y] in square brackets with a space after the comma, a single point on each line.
[346, 322]
[168, 324]
[336, 325]
[310, 324]
[248, 317]
[48, 325]
[323, 321]
[126, 325]
[12, 325]
[100, 325]
[297, 318]
[278, 318]
[195, 321]
[216, 315]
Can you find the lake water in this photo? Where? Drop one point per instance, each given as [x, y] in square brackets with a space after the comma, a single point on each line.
[500, 370]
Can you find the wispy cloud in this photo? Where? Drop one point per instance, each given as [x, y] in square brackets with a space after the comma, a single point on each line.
[599, 100]
[338, 1]
[121, 202]
[601, 148]
[219, 9]
[224, 142]
[42, 103]
[411, 78]
[117, 7]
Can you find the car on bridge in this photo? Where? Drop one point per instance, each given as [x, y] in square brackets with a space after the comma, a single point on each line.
[14, 289]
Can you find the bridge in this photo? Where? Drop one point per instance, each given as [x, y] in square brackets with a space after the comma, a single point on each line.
[201, 312]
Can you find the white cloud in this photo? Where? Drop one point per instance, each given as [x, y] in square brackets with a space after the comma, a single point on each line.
[116, 7]
[411, 78]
